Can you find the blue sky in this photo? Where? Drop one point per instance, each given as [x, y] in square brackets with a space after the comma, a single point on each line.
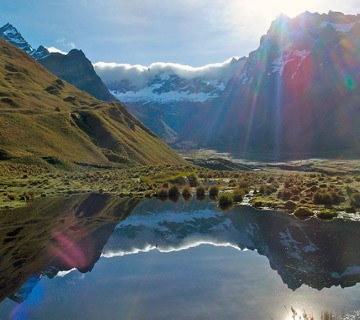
[193, 32]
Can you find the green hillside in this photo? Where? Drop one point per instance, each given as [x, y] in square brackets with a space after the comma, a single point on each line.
[45, 117]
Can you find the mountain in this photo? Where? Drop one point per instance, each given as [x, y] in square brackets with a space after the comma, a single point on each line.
[76, 69]
[295, 96]
[44, 117]
[73, 231]
[73, 67]
[314, 252]
[166, 95]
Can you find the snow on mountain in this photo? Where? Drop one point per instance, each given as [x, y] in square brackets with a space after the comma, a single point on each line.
[56, 50]
[287, 56]
[299, 254]
[339, 27]
[168, 82]
[12, 35]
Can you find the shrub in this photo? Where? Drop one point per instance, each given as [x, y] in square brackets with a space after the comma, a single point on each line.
[284, 195]
[327, 214]
[238, 195]
[225, 200]
[200, 192]
[193, 180]
[290, 205]
[186, 192]
[174, 191]
[213, 192]
[355, 199]
[326, 197]
[162, 193]
[303, 212]
[11, 197]
[243, 184]
[27, 196]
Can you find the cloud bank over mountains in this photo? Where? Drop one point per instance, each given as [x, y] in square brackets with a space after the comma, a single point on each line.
[140, 75]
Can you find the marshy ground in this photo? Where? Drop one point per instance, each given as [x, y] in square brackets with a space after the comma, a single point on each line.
[318, 187]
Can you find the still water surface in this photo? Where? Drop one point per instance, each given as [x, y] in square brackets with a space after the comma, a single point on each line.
[100, 258]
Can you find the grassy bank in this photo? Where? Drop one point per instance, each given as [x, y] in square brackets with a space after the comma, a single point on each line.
[302, 192]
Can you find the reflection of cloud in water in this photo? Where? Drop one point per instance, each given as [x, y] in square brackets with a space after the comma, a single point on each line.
[148, 248]
[317, 253]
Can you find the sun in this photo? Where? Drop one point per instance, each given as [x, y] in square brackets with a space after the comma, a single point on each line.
[289, 8]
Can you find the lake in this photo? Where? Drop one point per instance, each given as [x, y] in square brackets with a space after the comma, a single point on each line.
[102, 257]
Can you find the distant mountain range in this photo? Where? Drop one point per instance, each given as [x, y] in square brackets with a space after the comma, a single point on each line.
[73, 67]
[296, 95]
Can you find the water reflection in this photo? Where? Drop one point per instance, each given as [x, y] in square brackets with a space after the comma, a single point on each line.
[55, 236]
[314, 252]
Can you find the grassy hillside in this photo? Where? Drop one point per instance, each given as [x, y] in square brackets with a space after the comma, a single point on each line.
[44, 117]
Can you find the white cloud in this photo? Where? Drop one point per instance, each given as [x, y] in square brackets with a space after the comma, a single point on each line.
[66, 44]
[55, 50]
[140, 75]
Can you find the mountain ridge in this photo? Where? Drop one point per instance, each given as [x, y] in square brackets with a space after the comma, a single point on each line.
[303, 69]
[73, 67]
[42, 116]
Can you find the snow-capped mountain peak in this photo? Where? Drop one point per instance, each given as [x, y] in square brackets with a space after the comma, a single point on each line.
[11, 34]
[168, 82]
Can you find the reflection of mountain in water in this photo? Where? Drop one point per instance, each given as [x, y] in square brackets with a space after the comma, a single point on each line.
[53, 235]
[316, 253]
[65, 233]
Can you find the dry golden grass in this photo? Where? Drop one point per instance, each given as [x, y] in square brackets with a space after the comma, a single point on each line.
[43, 116]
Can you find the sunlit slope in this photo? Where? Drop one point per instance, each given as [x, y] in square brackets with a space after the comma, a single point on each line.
[43, 116]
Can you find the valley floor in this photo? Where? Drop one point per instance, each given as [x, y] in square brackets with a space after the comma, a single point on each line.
[314, 187]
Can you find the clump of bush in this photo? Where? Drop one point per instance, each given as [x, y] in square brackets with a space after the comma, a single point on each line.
[238, 195]
[243, 184]
[11, 197]
[284, 195]
[303, 212]
[174, 191]
[355, 199]
[200, 192]
[290, 205]
[162, 193]
[186, 192]
[213, 192]
[326, 197]
[193, 180]
[327, 214]
[225, 200]
[27, 196]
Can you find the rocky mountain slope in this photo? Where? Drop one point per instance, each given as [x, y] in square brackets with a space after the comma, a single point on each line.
[73, 67]
[44, 117]
[76, 69]
[296, 95]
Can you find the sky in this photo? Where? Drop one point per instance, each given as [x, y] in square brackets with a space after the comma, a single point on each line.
[192, 32]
